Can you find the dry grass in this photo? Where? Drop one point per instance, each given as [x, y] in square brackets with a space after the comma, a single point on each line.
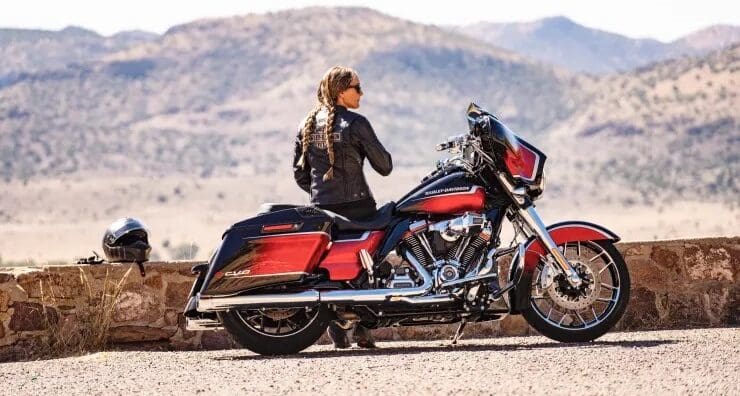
[86, 330]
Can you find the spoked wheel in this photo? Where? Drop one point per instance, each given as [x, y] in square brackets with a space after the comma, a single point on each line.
[276, 331]
[564, 313]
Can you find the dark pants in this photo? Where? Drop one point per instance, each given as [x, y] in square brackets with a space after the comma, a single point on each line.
[357, 210]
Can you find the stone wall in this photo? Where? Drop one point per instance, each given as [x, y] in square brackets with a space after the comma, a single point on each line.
[675, 284]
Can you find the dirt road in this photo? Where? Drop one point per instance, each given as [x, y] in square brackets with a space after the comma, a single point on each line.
[705, 361]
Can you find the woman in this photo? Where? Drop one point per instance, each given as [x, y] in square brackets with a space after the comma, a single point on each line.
[330, 150]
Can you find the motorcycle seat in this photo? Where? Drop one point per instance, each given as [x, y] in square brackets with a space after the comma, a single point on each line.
[382, 218]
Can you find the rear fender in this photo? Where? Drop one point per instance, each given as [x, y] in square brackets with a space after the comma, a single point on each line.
[567, 231]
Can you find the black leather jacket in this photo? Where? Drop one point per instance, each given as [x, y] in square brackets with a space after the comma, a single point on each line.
[354, 140]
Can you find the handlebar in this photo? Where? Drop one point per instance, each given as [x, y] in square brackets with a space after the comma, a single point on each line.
[453, 142]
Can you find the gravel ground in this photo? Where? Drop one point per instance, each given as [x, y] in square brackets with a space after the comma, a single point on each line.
[703, 361]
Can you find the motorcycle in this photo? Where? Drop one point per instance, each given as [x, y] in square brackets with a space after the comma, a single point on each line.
[278, 279]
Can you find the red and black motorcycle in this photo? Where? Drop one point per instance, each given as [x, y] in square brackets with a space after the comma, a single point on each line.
[279, 278]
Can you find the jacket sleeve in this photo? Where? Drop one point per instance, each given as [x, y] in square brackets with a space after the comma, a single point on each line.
[379, 157]
[302, 174]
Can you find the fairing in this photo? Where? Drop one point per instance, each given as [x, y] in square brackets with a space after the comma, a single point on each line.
[528, 166]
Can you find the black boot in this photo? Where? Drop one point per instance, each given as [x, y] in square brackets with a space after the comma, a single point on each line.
[363, 337]
[338, 335]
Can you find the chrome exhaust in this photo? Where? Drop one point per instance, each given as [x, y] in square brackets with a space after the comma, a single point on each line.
[340, 297]
[380, 295]
[286, 300]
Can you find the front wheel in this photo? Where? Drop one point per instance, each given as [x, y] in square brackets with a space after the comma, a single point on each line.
[567, 314]
[276, 331]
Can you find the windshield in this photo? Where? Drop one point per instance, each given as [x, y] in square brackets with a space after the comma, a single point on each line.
[481, 122]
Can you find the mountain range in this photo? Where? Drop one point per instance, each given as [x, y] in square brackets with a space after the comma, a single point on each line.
[561, 41]
[134, 122]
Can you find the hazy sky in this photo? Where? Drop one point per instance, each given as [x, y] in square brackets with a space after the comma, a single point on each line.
[664, 20]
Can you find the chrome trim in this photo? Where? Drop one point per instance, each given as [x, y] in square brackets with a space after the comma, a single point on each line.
[367, 261]
[445, 299]
[460, 282]
[425, 244]
[362, 237]
[461, 248]
[263, 275]
[287, 300]
[288, 234]
[202, 324]
[532, 219]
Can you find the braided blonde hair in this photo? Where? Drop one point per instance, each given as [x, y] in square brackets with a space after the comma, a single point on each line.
[335, 81]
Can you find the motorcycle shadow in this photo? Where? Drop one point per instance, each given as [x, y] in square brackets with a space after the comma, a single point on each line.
[445, 346]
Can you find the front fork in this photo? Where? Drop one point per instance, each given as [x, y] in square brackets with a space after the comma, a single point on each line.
[534, 223]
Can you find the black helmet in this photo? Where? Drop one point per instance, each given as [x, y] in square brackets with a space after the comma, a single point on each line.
[126, 240]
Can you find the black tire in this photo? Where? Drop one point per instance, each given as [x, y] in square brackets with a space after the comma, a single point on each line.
[554, 332]
[264, 344]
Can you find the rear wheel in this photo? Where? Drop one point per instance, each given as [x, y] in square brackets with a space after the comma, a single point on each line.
[564, 313]
[281, 331]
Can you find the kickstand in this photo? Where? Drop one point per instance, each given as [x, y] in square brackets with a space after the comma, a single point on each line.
[142, 271]
[459, 332]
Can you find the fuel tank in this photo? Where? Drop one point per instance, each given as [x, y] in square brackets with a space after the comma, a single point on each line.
[451, 194]
[270, 249]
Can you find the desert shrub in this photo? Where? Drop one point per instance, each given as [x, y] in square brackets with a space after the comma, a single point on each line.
[88, 330]
[184, 251]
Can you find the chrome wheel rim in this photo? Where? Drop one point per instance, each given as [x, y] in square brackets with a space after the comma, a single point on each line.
[278, 322]
[569, 309]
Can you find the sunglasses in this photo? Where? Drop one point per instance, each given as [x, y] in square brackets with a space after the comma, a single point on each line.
[356, 87]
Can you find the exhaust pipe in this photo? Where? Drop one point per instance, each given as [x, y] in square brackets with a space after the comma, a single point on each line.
[314, 297]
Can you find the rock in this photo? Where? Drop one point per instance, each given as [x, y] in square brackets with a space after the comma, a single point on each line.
[383, 334]
[177, 293]
[31, 316]
[170, 317]
[634, 249]
[6, 278]
[641, 311]
[733, 306]
[154, 281]
[667, 258]
[113, 272]
[681, 310]
[514, 325]
[2, 330]
[7, 354]
[138, 334]
[709, 262]
[4, 300]
[137, 302]
[715, 305]
[644, 272]
[218, 339]
[52, 285]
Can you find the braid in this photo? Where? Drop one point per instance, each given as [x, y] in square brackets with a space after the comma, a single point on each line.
[309, 126]
[336, 80]
[328, 130]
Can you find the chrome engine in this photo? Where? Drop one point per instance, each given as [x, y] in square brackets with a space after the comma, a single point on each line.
[448, 250]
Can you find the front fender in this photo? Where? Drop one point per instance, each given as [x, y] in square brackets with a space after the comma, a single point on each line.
[567, 231]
